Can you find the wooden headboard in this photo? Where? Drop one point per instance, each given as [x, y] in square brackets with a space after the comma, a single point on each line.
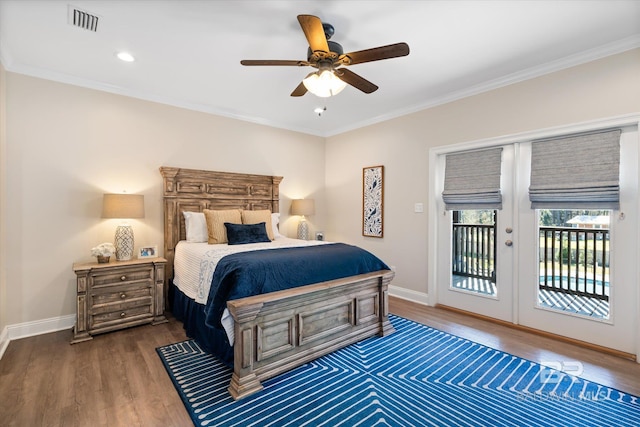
[195, 190]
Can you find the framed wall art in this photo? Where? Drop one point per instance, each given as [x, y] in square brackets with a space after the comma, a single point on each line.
[372, 201]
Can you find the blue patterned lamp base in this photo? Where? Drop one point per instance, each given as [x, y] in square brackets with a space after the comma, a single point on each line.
[124, 242]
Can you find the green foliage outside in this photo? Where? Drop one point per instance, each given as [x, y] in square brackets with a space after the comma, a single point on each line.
[585, 251]
[560, 218]
[477, 217]
[548, 217]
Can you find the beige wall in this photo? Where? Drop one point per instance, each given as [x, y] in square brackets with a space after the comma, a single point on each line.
[3, 169]
[600, 89]
[67, 145]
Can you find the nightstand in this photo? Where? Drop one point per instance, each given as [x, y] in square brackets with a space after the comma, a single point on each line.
[117, 295]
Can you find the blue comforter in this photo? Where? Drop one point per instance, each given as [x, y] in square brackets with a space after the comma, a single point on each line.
[257, 272]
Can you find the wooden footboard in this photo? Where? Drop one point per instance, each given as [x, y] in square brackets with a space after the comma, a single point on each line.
[279, 331]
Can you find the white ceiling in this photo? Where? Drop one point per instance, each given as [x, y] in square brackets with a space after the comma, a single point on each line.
[188, 52]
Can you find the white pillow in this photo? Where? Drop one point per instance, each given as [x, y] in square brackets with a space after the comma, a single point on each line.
[195, 225]
[275, 220]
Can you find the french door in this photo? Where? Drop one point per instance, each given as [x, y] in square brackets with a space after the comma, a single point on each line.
[519, 256]
[490, 292]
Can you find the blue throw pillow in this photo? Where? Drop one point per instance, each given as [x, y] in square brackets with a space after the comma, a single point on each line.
[240, 234]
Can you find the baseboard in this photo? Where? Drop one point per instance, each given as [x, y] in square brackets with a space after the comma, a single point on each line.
[36, 327]
[39, 327]
[4, 340]
[409, 295]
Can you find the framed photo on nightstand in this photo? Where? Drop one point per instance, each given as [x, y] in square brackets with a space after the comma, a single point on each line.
[148, 252]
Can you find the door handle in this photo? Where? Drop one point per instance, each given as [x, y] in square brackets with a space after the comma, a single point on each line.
[508, 243]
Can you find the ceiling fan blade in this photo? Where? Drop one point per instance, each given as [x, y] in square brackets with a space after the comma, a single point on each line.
[313, 31]
[300, 90]
[274, 62]
[355, 80]
[377, 53]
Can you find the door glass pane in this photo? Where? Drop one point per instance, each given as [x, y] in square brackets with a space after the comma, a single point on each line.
[574, 261]
[473, 257]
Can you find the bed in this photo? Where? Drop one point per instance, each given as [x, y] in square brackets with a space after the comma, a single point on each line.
[272, 332]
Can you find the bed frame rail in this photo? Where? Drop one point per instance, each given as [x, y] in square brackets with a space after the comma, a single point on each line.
[279, 331]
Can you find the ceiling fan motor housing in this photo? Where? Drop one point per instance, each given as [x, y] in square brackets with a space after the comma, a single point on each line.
[333, 47]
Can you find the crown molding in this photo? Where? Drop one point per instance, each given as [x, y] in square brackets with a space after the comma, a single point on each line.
[584, 57]
[530, 73]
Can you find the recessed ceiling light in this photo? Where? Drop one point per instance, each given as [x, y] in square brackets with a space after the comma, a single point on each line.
[320, 110]
[125, 56]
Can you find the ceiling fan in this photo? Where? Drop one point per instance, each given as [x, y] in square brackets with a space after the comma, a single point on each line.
[329, 58]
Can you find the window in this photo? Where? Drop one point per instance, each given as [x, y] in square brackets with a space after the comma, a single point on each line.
[574, 261]
[474, 251]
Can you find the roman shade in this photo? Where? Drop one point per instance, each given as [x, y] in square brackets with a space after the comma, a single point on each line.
[472, 180]
[576, 171]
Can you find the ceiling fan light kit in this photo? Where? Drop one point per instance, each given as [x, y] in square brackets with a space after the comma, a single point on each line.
[328, 57]
[324, 83]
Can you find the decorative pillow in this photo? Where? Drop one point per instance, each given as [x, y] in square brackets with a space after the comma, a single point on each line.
[240, 234]
[256, 217]
[217, 232]
[275, 221]
[195, 225]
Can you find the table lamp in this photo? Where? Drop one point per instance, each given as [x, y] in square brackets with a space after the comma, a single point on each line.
[303, 207]
[125, 206]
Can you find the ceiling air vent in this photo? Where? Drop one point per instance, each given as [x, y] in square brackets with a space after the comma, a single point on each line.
[81, 19]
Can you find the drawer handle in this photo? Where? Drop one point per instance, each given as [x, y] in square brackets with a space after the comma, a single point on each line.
[123, 314]
[123, 295]
[123, 278]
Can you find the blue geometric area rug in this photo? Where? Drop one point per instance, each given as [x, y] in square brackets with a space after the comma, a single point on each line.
[418, 376]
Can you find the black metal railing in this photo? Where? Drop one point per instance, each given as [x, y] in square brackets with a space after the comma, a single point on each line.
[474, 249]
[575, 261]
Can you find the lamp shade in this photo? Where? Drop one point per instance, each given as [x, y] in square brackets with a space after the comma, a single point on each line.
[323, 83]
[303, 207]
[123, 206]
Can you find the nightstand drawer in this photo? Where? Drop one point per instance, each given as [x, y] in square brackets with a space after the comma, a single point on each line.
[113, 315]
[120, 306]
[122, 293]
[108, 278]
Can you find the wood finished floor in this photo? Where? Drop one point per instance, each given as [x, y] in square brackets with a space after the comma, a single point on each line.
[117, 379]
